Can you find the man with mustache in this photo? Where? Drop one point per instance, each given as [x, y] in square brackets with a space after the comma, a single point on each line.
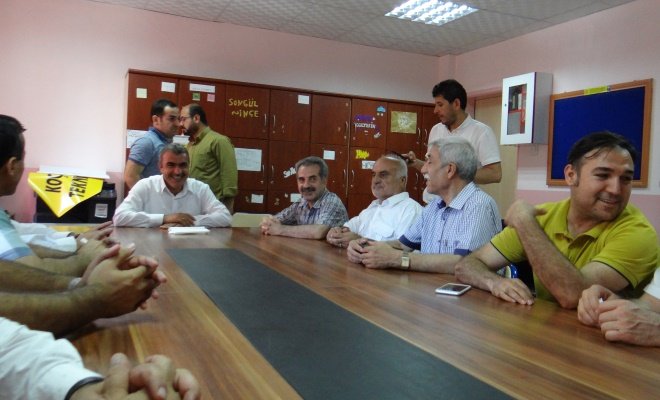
[593, 237]
[172, 199]
[460, 220]
[318, 209]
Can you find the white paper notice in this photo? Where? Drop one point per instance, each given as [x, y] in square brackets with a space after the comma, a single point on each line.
[328, 155]
[132, 136]
[168, 87]
[248, 159]
[257, 199]
[303, 99]
[366, 164]
[295, 197]
[196, 87]
[141, 93]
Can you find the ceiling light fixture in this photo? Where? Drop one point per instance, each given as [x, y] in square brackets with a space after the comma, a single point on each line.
[432, 12]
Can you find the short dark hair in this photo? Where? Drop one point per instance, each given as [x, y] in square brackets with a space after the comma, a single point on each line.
[174, 148]
[11, 139]
[451, 90]
[158, 108]
[196, 109]
[313, 160]
[601, 140]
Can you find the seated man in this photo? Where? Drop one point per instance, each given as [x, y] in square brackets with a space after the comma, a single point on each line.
[387, 217]
[462, 219]
[171, 199]
[318, 209]
[35, 366]
[593, 237]
[630, 321]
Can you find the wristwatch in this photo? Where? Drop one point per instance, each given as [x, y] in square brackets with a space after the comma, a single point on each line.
[405, 260]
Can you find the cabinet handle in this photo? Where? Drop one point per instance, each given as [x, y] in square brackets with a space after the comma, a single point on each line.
[426, 138]
[265, 120]
[272, 174]
[346, 132]
[352, 177]
[274, 123]
[419, 135]
[263, 174]
[416, 178]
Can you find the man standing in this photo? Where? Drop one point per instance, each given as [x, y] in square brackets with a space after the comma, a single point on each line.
[212, 157]
[171, 199]
[450, 102]
[593, 237]
[461, 220]
[143, 158]
[387, 217]
[318, 209]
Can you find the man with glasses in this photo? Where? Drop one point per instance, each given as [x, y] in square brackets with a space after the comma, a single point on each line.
[462, 219]
[144, 155]
[212, 157]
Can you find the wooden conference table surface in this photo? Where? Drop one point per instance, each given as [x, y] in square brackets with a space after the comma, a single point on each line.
[538, 351]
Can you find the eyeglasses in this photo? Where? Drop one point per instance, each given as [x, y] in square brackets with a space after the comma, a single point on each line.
[183, 118]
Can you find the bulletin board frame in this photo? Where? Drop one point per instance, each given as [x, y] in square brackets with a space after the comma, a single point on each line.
[623, 108]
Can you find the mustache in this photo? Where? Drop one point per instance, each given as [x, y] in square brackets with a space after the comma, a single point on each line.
[308, 190]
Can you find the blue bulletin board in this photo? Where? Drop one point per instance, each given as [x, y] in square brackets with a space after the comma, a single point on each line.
[623, 108]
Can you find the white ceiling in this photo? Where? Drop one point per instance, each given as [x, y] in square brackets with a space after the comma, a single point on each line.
[363, 21]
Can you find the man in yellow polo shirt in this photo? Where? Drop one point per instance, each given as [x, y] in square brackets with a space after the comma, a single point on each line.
[212, 157]
[593, 237]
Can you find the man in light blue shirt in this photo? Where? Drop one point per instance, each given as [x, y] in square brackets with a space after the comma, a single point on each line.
[461, 220]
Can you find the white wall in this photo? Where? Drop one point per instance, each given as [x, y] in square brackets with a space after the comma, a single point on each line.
[64, 64]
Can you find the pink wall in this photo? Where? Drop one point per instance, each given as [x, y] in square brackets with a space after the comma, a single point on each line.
[613, 46]
[65, 62]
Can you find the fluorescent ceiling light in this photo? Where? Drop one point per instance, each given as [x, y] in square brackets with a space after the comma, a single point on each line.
[432, 12]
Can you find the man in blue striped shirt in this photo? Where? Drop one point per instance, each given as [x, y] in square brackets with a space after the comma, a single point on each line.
[461, 220]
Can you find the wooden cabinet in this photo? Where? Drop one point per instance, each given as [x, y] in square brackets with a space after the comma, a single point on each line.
[330, 119]
[209, 95]
[336, 156]
[282, 157]
[246, 112]
[143, 90]
[368, 123]
[290, 115]
[404, 130]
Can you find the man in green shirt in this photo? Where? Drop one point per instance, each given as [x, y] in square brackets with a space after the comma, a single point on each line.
[212, 157]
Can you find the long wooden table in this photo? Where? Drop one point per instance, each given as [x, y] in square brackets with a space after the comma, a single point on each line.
[538, 351]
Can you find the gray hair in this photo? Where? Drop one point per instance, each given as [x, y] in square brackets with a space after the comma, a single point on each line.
[401, 167]
[458, 151]
[313, 160]
[174, 148]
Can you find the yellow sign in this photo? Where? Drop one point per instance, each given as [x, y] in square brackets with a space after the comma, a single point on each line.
[62, 192]
[361, 154]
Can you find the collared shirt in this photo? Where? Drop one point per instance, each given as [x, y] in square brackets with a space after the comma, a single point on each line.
[467, 223]
[327, 210]
[480, 136]
[146, 151]
[150, 200]
[213, 161]
[12, 247]
[33, 365]
[628, 244]
[386, 220]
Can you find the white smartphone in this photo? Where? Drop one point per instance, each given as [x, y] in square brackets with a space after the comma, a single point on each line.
[453, 289]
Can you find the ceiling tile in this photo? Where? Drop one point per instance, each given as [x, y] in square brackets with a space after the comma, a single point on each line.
[318, 31]
[288, 9]
[536, 9]
[489, 23]
[339, 18]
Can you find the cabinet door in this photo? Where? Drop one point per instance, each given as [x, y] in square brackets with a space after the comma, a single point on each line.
[252, 160]
[357, 203]
[416, 184]
[360, 165]
[282, 158]
[246, 112]
[330, 119]
[429, 120]
[404, 130]
[368, 123]
[251, 201]
[337, 159]
[290, 115]
[143, 90]
[278, 200]
[211, 96]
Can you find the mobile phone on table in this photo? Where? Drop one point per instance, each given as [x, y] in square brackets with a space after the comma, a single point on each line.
[453, 289]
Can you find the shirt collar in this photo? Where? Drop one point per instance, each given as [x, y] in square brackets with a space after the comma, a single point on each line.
[317, 203]
[393, 200]
[459, 201]
[466, 124]
[160, 135]
[162, 187]
[200, 135]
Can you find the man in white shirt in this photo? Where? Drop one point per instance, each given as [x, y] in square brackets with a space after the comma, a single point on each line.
[387, 217]
[622, 320]
[450, 100]
[172, 199]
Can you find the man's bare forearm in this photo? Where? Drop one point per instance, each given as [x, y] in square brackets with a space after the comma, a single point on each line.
[17, 277]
